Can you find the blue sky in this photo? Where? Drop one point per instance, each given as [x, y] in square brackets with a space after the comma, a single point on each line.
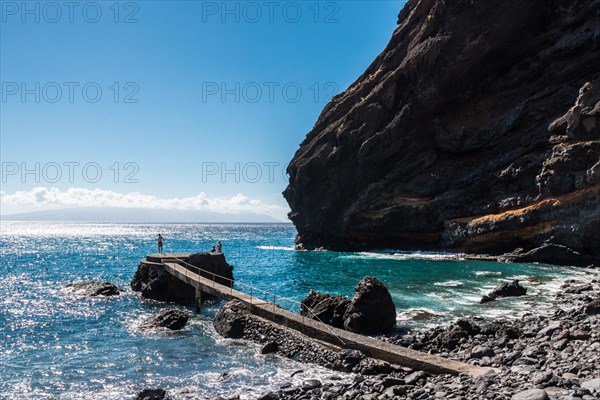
[169, 94]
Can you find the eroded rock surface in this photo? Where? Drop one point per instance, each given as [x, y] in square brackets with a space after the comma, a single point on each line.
[477, 129]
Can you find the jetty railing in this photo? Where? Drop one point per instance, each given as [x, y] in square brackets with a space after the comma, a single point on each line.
[253, 289]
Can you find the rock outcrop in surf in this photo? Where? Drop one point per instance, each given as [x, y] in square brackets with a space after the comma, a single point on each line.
[155, 283]
[370, 311]
[476, 130]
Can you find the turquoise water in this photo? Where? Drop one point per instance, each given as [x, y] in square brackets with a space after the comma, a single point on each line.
[54, 344]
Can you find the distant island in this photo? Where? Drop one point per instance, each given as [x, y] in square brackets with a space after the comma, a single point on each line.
[93, 214]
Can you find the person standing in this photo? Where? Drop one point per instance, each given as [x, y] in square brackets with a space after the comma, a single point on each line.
[219, 247]
[160, 243]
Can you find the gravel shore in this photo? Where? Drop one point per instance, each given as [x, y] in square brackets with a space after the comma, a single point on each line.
[536, 357]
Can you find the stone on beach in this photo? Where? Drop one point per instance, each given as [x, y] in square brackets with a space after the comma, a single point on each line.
[531, 394]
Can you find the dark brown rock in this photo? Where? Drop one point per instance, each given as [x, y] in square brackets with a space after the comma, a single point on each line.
[172, 319]
[371, 310]
[155, 283]
[507, 289]
[593, 307]
[95, 289]
[325, 308]
[269, 348]
[479, 136]
[152, 394]
[231, 320]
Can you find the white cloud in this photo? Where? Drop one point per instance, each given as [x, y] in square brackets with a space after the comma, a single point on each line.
[79, 197]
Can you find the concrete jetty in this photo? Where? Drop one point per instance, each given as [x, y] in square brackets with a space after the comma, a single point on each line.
[206, 282]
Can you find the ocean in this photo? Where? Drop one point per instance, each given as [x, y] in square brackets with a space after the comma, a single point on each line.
[55, 344]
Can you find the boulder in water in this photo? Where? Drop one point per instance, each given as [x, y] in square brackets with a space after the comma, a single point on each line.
[371, 310]
[155, 283]
[507, 289]
[230, 321]
[269, 348]
[325, 308]
[94, 289]
[172, 319]
[152, 394]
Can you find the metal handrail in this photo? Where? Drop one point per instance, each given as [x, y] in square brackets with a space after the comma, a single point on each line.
[311, 313]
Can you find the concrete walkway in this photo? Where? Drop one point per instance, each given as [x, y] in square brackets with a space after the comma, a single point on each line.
[369, 346]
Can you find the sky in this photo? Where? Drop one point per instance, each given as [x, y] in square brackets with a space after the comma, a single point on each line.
[187, 105]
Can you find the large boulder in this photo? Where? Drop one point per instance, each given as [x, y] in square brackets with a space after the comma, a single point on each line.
[213, 264]
[94, 289]
[507, 289]
[230, 322]
[155, 283]
[593, 307]
[325, 308]
[172, 319]
[371, 310]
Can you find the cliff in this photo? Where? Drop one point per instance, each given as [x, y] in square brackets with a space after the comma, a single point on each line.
[477, 129]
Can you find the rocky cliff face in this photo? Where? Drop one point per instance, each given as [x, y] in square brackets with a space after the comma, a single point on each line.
[477, 130]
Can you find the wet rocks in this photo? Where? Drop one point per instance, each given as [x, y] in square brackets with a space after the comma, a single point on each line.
[325, 308]
[593, 307]
[213, 264]
[236, 322]
[171, 319]
[94, 289]
[507, 289]
[230, 322]
[157, 284]
[270, 347]
[153, 282]
[371, 310]
[152, 394]
[311, 384]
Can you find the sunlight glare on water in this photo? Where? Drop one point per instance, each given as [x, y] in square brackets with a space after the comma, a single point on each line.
[58, 344]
